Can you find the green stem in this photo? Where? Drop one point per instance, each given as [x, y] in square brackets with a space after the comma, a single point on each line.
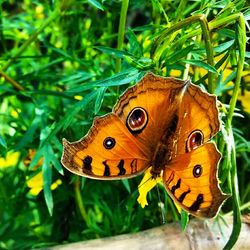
[32, 38]
[187, 66]
[235, 196]
[79, 200]
[157, 48]
[121, 32]
[242, 50]
[225, 21]
[241, 39]
[209, 51]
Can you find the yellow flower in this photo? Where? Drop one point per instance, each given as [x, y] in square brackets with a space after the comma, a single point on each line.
[39, 12]
[145, 186]
[36, 184]
[10, 160]
[78, 97]
[148, 183]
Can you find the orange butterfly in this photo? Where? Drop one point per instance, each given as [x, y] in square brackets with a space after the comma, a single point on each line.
[161, 122]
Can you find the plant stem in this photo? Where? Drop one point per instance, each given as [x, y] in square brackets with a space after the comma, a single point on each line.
[216, 23]
[11, 81]
[187, 66]
[241, 39]
[242, 50]
[158, 48]
[79, 200]
[121, 32]
[235, 195]
[209, 51]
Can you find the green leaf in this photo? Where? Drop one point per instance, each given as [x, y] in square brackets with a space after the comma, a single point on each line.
[135, 46]
[99, 99]
[184, 219]
[201, 64]
[177, 55]
[66, 120]
[76, 78]
[125, 182]
[224, 46]
[77, 108]
[121, 78]
[39, 154]
[235, 192]
[3, 142]
[29, 134]
[143, 63]
[96, 4]
[112, 52]
[47, 181]
[54, 160]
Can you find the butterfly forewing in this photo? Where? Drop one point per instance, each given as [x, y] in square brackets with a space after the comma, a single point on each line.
[198, 120]
[107, 151]
[158, 97]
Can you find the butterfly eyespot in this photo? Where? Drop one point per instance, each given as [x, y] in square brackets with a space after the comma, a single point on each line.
[195, 139]
[109, 142]
[197, 171]
[137, 120]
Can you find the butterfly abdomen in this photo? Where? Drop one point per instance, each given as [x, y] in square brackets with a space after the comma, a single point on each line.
[159, 159]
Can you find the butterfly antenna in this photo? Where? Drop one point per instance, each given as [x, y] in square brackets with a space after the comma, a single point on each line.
[161, 203]
[150, 178]
[135, 192]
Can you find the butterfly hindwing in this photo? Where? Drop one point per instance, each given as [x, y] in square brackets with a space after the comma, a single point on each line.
[191, 180]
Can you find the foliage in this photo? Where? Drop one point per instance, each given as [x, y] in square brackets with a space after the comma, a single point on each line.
[63, 62]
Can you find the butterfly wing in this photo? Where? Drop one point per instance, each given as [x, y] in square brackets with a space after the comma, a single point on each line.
[158, 97]
[190, 176]
[198, 120]
[191, 180]
[122, 144]
[107, 151]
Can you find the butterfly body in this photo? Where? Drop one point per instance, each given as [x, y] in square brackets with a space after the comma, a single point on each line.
[161, 122]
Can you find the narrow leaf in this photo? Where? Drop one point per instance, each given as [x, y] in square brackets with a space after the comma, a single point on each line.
[99, 99]
[184, 219]
[47, 181]
[122, 78]
[201, 64]
[96, 4]
[113, 52]
[66, 120]
[3, 142]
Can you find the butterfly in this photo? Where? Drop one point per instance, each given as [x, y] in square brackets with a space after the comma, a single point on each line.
[163, 122]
